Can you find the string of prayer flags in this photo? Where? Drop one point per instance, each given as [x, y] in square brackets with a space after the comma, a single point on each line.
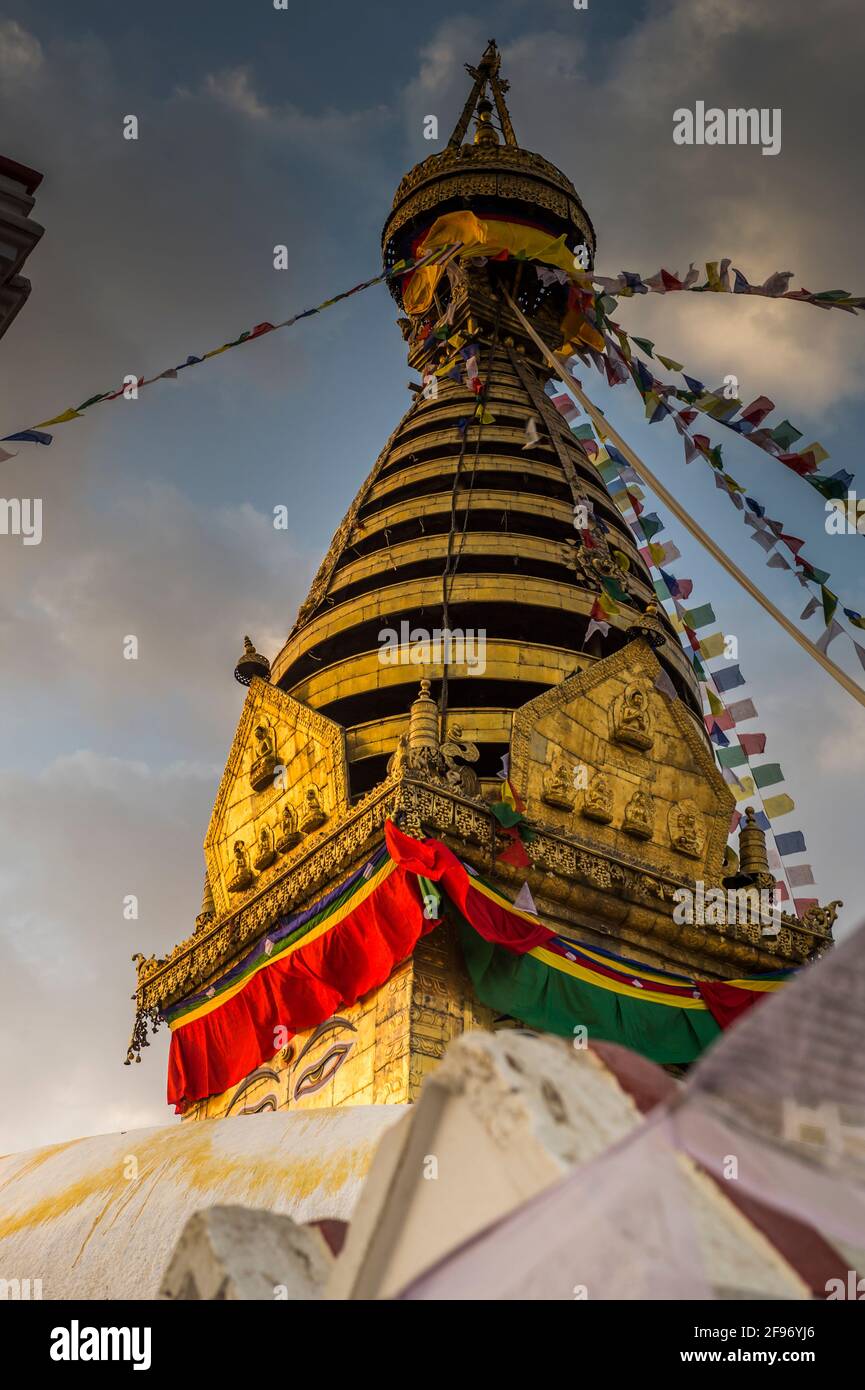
[766, 532]
[628, 283]
[37, 435]
[621, 480]
[777, 442]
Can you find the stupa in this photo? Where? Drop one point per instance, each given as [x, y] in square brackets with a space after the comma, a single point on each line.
[445, 663]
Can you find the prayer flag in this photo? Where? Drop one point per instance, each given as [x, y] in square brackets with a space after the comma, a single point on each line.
[728, 679]
[800, 875]
[753, 744]
[742, 710]
[793, 842]
[767, 775]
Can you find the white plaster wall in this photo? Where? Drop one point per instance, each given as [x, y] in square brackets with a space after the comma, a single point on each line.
[98, 1218]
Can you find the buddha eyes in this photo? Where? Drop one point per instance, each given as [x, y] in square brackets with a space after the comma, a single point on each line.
[319, 1073]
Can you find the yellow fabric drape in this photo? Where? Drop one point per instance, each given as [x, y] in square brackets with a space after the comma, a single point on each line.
[480, 237]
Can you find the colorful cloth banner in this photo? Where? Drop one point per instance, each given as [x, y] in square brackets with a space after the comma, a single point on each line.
[729, 999]
[492, 237]
[305, 969]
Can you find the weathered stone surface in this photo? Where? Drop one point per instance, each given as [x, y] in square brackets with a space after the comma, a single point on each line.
[237, 1253]
[503, 1117]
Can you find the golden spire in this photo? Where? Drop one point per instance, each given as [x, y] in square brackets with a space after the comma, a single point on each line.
[486, 74]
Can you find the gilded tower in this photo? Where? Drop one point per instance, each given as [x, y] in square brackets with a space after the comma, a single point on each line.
[447, 635]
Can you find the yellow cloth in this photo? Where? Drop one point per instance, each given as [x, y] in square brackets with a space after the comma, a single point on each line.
[479, 237]
[779, 805]
[714, 645]
[59, 419]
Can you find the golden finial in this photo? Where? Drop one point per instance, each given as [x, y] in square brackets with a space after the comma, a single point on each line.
[753, 859]
[251, 664]
[486, 132]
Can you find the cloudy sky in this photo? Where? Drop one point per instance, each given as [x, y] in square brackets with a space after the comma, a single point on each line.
[260, 127]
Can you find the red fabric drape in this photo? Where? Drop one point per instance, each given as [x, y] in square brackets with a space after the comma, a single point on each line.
[211, 1053]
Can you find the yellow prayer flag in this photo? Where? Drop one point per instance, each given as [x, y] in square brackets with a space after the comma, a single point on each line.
[59, 419]
[746, 785]
[818, 451]
[714, 645]
[715, 705]
[779, 805]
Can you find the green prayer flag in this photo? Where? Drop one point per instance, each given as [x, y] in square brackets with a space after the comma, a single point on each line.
[734, 756]
[700, 617]
[786, 434]
[767, 775]
[614, 589]
[645, 344]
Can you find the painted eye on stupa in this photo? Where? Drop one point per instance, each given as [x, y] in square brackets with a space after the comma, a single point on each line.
[250, 1089]
[321, 1068]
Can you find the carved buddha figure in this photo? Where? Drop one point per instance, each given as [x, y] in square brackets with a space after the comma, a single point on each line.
[242, 876]
[686, 829]
[289, 834]
[598, 801]
[559, 785]
[313, 815]
[263, 759]
[265, 854]
[640, 816]
[631, 720]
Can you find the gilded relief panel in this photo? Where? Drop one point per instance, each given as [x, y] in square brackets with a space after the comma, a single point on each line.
[608, 757]
[285, 779]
